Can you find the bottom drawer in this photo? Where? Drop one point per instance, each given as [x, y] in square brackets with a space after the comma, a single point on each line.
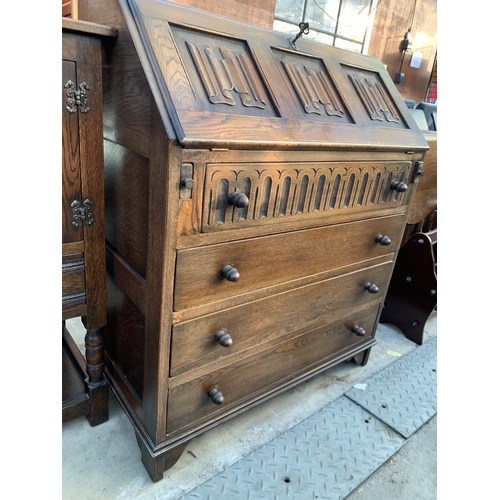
[189, 402]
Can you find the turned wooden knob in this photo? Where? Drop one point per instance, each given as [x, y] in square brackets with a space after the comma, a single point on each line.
[187, 183]
[224, 338]
[216, 396]
[399, 187]
[360, 332]
[420, 170]
[383, 240]
[238, 200]
[230, 273]
[371, 288]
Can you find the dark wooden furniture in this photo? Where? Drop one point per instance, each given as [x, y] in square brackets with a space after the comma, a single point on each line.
[412, 294]
[256, 194]
[84, 388]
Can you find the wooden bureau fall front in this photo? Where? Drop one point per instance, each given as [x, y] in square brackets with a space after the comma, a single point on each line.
[256, 196]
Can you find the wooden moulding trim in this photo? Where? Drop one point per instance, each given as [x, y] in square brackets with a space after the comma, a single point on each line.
[74, 306]
[252, 230]
[88, 27]
[75, 247]
[75, 408]
[128, 280]
[146, 66]
[75, 351]
[270, 393]
[126, 396]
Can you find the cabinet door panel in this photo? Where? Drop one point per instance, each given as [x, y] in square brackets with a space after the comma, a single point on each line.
[71, 178]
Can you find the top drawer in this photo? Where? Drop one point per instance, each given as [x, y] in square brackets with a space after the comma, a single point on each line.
[268, 193]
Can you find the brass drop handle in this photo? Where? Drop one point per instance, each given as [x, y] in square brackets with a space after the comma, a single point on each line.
[216, 396]
[399, 187]
[224, 338]
[230, 273]
[360, 332]
[371, 287]
[383, 240]
[238, 200]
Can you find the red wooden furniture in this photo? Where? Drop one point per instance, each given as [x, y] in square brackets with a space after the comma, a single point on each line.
[412, 294]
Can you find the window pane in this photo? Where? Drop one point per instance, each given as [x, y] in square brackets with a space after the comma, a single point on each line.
[290, 9]
[354, 18]
[292, 29]
[352, 46]
[319, 37]
[322, 14]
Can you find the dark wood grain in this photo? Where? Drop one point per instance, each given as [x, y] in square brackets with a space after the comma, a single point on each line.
[83, 251]
[197, 107]
[253, 324]
[127, 95]
[425, 199]
[71, 180]
[126, 188]
[256, 373]
[275, 259]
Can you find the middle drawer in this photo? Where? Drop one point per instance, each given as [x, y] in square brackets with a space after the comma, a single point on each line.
[270, 260]
[196, 342]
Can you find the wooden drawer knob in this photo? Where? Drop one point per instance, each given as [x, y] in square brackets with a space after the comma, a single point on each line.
[399, 187]
[187, 183]
[216, 396]
[383, 240]
[224, 338]
[371, 287]
[238, 200]
[360, 332]
[230, 273]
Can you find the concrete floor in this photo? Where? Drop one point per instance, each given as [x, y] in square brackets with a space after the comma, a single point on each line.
[103, 462]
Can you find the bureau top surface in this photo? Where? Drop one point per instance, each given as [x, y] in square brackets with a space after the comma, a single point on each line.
[87, 28]
[223, 83]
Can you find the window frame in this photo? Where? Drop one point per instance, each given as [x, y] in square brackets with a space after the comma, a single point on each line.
[335, 35]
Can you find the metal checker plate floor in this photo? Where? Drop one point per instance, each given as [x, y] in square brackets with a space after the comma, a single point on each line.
[330, 453]
[403, 395]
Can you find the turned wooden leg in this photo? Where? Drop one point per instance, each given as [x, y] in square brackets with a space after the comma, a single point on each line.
[156, 466]
[96, 383]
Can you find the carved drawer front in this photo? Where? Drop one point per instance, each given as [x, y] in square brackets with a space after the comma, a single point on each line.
[269, 260]
[215, 336]
[244, 195]
[260, 372]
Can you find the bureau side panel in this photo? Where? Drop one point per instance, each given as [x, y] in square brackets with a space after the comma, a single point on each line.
[126, 192]
[127, 95]
[124, 342]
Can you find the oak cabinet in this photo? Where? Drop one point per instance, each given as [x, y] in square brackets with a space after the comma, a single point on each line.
[84, 388]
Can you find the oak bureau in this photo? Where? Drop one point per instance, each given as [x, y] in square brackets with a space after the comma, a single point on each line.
[257, 188]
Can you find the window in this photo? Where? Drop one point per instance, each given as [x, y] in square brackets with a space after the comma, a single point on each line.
[342, 23]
